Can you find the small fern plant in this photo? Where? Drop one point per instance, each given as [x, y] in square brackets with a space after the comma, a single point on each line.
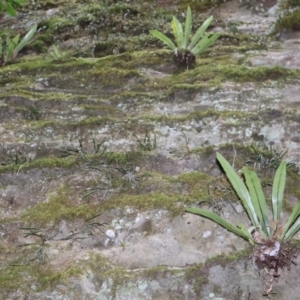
[271, 251]
[187, 48]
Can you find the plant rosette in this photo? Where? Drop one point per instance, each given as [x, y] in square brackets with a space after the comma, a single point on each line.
[186, 51]
[272, 252]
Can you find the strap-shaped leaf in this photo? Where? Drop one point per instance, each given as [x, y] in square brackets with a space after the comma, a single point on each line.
[287, 231]
[187, 27]
[278, 189]
[10, 47]
[214, 217]
[200, 32]
[10, 10]
[246, 232]
[239, 188]
[204, 43]
[25, 40]
[163, 38]
[258, 200]
[293, 230]
[178, 33]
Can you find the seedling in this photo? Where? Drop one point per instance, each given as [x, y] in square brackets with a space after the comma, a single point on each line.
[12, 47]
[56, 54]
[146, 144]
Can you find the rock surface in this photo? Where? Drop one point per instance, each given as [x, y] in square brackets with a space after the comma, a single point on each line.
[103, 147]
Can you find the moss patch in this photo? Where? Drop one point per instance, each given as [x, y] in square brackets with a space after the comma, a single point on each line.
[198, 273]
[33, 277]
[49, 162]
[59, 205]
[290, 21]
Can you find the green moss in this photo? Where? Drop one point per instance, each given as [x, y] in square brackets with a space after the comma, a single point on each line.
[49, 162]
[40, 65]
[287, 4]
[147, 202]
[194, 177]
[33, 275]
[102, 270]
[217, 73]
[58, 206]
[57, 24]
[199, 115]
[136, 59]
[36, 96]
[212, 72]
[197, 186]
[112, 77]
[197, 274]
[290, 21]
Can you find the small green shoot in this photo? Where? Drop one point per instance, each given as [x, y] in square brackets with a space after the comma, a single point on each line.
[146, 144]
[56, 54]
[12, 46]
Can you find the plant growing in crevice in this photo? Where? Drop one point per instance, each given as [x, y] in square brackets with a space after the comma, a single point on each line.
[186, 51]
[9, 6]
[44, 235]
[146, 144]
[34, 112]
[56, 54]
[272, 252]
[266, 157]
[12, 47]
[82, 229]
[131, 175]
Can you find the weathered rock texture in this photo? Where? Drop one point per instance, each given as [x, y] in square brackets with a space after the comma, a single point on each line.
[103, 147]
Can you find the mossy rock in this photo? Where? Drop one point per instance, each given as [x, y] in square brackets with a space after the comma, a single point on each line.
[290, 21]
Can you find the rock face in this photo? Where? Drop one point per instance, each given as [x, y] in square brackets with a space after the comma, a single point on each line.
[104, 145]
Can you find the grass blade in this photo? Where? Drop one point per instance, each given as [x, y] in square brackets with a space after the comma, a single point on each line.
[200, 32]
[178, 33]
[258, 200]
[163, 38]
[26, 38]
[214, 217]
[293, 217]
[10, 46]
[187, 27]
[278, 189]
[239, 188]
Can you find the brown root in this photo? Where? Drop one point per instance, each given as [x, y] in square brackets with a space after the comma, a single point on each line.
[271, 258]
[184, 58]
